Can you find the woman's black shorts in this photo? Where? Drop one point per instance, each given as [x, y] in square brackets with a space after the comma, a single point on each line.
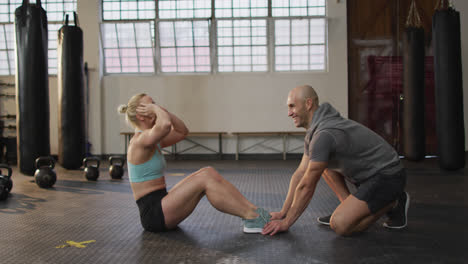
[151, 213]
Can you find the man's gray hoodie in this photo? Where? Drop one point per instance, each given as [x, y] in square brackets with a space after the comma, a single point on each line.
[361, 154]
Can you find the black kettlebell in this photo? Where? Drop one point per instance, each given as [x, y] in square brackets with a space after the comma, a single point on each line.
[91, 171]
[116, 170]
[45, 176]
[6, 184]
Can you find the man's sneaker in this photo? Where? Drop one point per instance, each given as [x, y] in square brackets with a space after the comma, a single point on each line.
[324, 220]
[256, 225]
[398, 216]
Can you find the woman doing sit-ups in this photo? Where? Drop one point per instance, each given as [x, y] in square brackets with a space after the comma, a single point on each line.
[160, 210]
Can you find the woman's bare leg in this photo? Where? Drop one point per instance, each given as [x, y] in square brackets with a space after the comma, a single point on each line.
[182, 199]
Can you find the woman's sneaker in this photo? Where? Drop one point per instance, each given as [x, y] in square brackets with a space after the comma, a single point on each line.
[398, 216]
[256, 225]
[324, 220]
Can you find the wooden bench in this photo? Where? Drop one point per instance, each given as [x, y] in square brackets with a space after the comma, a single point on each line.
[284, 135]
[190, 138]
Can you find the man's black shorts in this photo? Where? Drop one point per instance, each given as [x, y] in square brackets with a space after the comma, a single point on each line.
[381, 190]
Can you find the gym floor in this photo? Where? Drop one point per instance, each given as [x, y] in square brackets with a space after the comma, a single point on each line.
[97, 222]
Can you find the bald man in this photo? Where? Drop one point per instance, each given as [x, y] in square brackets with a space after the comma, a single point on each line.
[340, 149]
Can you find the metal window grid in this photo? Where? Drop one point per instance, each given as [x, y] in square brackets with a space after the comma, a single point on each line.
[7, 49]
[128, 41]
[214, 11]
[114, 10]
[291, 51]
[235, 56]
[197, 48]
[287, 8]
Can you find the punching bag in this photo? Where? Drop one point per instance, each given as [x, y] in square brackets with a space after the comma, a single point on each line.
[32, 85]
[448, 88]
[71, 112]
[413, 136]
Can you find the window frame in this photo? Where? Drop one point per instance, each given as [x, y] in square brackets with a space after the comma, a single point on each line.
[102, 48]
[213, 40]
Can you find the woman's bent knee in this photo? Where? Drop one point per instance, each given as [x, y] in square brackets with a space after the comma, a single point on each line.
[209, 173]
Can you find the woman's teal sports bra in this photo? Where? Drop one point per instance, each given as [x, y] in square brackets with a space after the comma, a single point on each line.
[150, 170]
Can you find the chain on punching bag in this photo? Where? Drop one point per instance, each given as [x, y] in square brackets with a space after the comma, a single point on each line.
[32, 85]
[71, 112]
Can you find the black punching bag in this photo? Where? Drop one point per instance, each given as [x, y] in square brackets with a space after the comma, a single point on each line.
[413, 136]
[71, 112]
[32, 85]
[448, 88]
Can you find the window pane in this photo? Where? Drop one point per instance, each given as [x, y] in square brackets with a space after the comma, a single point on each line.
[185, 46]
[241, 8]
[128, 10]
[282, 32]
[7, 10]
[241, 44]
[170, 9]
[298, 8]
[300, 32]
[128, 47]
[306, 48]
[56, 10]
[52, 46]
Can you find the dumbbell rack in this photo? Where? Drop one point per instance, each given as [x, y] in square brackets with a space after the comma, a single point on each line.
[7, 122]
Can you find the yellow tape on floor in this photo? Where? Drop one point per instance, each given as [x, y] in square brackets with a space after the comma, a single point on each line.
[75, 244]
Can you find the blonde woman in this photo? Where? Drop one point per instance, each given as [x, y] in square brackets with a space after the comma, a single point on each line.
[156, 128]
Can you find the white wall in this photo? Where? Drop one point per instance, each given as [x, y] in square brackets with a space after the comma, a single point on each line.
[224, 102]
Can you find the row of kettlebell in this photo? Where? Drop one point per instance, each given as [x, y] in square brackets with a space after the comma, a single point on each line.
[45, 176]
[91, 167]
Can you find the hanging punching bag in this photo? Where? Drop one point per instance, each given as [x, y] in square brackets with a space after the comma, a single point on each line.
[32, 85]
[71, 112]
[448, 89]
[413, 135]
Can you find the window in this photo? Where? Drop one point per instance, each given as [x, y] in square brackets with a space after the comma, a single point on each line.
[124, 9]
[7, 36]
[242, 43]
[56, 10]
[239, 36]
[300, 44]
[285, 8]
[7, 50]
[177, 9]
[185, 46]
[128, 47]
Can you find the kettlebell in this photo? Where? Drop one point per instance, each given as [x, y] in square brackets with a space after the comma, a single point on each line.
[45, 176]
[91, 171]
[6, 184]
[116, 170]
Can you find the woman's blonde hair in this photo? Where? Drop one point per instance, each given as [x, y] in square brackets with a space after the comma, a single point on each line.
[130, 109]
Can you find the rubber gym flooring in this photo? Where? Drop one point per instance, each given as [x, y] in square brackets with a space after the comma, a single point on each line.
[97, 222]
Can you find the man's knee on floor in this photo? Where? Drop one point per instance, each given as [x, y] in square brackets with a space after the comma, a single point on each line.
[340, 225]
